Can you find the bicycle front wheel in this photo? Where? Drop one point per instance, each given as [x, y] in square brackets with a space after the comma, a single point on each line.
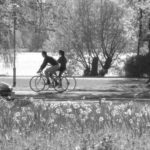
[60, 84]
[40, 83]
[32, 83]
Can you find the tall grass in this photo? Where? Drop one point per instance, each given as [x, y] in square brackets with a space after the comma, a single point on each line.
[40, 125]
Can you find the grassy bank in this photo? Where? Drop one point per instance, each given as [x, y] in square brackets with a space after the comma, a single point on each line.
[36, 125]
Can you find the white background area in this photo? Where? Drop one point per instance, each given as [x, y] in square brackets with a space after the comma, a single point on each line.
[27, 64]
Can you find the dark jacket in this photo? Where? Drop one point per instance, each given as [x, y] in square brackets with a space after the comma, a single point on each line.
[48, 60]
[62, 61]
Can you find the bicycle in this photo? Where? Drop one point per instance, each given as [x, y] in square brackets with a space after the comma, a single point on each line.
[71, 81]
[38, 83]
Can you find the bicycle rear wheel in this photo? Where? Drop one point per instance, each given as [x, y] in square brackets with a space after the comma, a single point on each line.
[60, 84]
[72, 83]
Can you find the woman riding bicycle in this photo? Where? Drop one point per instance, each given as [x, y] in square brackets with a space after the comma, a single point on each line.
[62, 62]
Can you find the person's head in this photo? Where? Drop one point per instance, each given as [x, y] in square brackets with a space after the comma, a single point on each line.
[44, 53]
[61, 53]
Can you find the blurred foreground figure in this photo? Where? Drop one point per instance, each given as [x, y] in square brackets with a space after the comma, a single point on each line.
[6, 91]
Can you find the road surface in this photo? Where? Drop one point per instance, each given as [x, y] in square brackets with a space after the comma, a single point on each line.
[89, 88]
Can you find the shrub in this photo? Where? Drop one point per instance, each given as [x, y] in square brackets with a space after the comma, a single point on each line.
[137, 66]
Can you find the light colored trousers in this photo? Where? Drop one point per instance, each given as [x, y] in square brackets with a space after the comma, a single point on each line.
[51, 70]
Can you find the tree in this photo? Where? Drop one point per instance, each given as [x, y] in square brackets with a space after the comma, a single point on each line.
[110, 33]
[34, 20]
[140, 20]
[6, 35]
[32, 23]
[93, 29]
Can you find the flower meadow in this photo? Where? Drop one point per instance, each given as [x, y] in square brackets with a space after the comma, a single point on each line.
[101, 125]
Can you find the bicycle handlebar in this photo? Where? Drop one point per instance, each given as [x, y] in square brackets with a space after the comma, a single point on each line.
[40, 73]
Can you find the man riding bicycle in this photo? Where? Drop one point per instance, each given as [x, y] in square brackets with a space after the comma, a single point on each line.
[59, 65]
[50, 70]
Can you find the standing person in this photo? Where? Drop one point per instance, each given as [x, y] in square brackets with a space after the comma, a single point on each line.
[62, 62]
[50, 70]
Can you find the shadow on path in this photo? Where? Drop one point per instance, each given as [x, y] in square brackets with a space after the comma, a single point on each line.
[95, 89]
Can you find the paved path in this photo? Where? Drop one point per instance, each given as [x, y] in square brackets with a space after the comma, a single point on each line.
[81, 96]
[89, 89]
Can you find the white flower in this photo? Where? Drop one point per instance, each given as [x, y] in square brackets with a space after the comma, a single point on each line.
[76, 106]
[131, 121]
[88, 110]
[110, 103]
[17, 114]
[77, 148]
[81, 111]
[128, 112]
[31, 99]
[103, 100]
[138, 115]
[51, 121]
[24, 118]
[69, 110]
[72, 116]
[148, 124]
[115, 112]
[30, 113]
[101, 119]
[58, 111]
[98, 110]
[131, 103]
[42, 119]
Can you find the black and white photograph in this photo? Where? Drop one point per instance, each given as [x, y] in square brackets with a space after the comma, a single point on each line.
[74, 74]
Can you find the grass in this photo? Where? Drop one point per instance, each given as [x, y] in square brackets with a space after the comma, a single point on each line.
[34, 125]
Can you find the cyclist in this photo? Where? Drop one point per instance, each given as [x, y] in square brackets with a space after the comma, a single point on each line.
[50, 70]
[62, 62]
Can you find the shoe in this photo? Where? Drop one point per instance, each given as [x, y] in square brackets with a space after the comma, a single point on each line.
[48, 83]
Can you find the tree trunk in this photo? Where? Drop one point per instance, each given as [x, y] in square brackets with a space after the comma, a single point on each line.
[87, 71]
[94, 66]
[107, 65]
[140, 30]
[149, 40]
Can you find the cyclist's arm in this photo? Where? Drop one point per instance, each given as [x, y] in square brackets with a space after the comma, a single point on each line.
[59, 62]
[43, 65]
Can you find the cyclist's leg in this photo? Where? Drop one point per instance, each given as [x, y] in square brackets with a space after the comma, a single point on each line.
[47, 74]
[51, 70]
[61, 71]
